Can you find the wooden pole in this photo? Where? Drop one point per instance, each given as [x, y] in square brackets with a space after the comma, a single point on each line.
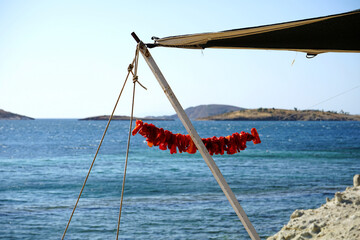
[197, 140]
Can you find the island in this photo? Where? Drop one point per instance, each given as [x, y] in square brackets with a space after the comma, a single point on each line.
[4, 115]
[192, 112]
[272, 114]
[123, 118]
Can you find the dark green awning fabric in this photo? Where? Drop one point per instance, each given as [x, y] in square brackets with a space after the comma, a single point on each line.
[334, 33]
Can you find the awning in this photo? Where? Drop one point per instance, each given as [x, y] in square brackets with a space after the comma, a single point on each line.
[334, 33]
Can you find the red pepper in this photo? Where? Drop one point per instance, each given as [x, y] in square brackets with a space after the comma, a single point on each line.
[179, 142]
[192, 148]
[138, 126]
[222, 145]
[174, 144]
[256, 136]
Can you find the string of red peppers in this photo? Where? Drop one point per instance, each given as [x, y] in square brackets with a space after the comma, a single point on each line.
[167, 140]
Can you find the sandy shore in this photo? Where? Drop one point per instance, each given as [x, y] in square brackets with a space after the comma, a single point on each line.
[338, 218]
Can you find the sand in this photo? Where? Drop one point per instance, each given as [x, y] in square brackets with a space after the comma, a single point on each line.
[338, 218]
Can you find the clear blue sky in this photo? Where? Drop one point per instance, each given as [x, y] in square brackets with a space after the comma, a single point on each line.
[68, 59]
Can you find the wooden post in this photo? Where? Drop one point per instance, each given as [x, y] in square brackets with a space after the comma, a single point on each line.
[197, 140]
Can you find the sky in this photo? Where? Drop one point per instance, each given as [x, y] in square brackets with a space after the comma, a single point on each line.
[69, 59]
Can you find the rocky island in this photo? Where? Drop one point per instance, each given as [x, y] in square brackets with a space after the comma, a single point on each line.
[4, 115]
[272, 114]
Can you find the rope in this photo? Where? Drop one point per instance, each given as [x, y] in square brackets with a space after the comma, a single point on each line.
[330, 98]
[135, 80]
[97, 151]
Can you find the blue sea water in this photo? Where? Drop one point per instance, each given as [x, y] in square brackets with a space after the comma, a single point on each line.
[43, 164]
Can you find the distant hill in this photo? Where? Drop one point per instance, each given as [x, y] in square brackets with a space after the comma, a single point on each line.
[203, 111]
[106, 117]
[12, 116]
[271, 114]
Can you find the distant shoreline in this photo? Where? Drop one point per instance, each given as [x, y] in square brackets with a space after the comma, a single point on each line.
[216, 112]
[122, 118]
[272, 114]
[4, 115]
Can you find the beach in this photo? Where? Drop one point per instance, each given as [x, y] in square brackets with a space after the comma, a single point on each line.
[338, 218]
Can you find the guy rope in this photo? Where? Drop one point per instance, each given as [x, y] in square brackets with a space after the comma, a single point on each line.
[133, 65]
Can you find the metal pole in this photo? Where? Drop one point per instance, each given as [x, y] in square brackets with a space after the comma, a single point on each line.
[197, 140]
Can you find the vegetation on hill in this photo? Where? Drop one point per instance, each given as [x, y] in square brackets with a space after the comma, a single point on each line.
[272, 114]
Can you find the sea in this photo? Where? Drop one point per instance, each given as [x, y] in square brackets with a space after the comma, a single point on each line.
[44, 162]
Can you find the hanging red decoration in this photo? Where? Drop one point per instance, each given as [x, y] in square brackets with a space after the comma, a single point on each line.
[216, 145]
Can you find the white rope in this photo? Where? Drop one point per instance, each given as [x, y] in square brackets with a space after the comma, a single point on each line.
[330, 98]
[97, 151]
[135, 80]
